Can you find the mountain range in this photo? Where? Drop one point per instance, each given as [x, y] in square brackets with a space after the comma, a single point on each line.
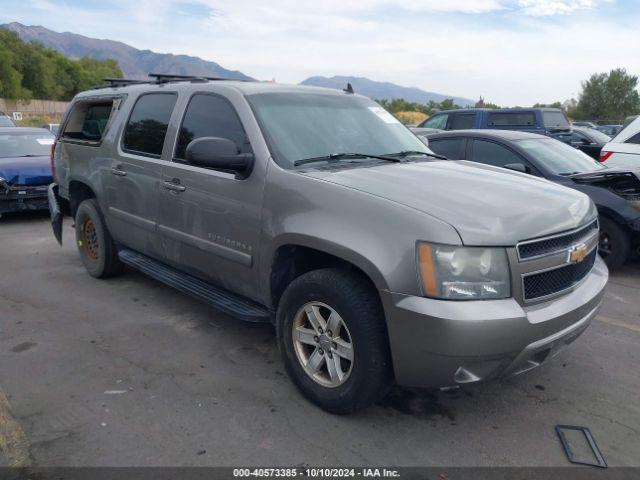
[380, 90]
[136, 64]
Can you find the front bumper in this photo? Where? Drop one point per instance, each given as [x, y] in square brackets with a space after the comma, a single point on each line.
[20, 198]
[437, 343]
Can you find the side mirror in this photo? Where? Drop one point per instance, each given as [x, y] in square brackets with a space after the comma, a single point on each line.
[219, 154]
[518, 167]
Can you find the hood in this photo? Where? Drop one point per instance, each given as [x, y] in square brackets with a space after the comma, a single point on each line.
[486, 205]
[26, 170]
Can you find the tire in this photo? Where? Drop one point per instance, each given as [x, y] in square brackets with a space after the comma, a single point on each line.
[615, 243]
[95, 245]
[368, 377]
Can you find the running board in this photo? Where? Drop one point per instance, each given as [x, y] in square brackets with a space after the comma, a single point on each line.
[219, 298]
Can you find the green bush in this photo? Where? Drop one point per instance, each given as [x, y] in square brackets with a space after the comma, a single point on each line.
[30, 70]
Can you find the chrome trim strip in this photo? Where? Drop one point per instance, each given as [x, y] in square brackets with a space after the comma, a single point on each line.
[559, 292]
[550, 237]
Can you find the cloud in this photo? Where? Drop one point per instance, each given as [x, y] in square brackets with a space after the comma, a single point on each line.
[509, 51]
[545, 8]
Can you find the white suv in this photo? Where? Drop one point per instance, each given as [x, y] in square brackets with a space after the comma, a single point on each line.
[623, 151]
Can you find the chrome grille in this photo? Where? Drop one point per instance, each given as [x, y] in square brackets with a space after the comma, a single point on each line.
[537, 248]
[547, 283]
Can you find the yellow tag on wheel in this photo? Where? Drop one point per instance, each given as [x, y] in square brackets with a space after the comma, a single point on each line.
[79, 243]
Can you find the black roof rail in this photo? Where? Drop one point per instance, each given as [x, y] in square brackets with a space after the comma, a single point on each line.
[169, 77]
[159, 78]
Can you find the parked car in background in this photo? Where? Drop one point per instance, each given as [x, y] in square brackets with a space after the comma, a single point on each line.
[25, 168]
[611, 130]
[545, 121]
[584, 124]
[623, 151]
[317, 210]
[616, 193]
[6, 121]
[589, 140]
[628, 120]
[52, 127]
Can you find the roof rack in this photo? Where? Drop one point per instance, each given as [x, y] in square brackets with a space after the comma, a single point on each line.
[160, 78]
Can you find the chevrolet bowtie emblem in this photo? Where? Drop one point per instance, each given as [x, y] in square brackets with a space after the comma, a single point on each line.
[578, 253]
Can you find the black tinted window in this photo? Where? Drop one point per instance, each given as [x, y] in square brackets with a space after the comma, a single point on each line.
[508, 119]
[148, 123]
[493, 154]
[210, 116]
[450, 148]
[462, 121]
[634, 139]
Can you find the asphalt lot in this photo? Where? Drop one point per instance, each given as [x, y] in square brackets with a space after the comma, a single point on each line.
[130, 372]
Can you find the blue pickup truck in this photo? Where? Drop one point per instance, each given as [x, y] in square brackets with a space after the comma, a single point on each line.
[545, 121]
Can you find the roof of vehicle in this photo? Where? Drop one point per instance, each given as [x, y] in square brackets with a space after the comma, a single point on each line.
[500, 110]
[247, 88]
[22, 130]
[510, 135]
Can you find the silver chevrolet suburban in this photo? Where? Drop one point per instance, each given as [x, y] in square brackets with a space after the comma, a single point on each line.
[318, 211]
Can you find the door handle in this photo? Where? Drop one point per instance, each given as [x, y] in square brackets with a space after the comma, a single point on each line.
[174, 187]
[117, 172]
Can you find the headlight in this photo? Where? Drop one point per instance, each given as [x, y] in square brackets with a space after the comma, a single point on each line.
[463, 273]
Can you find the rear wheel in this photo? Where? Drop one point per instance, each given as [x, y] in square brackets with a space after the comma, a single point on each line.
[95, 245]
[332, 336]
[615, 243]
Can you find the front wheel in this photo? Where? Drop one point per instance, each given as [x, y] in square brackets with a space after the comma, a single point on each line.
[615, 243]
[332, 336]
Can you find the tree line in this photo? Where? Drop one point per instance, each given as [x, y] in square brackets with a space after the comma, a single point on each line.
[31, 70]
[608, 96]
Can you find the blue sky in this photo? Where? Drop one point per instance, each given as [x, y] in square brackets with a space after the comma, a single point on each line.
[512, 52]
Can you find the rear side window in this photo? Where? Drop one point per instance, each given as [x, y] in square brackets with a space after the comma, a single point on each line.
[452, 148]
[554, 119]
[462, 121]
[210, 116]
[491, 153]
[635, 139]
[511, 119]
[147, 126]
[88, 120]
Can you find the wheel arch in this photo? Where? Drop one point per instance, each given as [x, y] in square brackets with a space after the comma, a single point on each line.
[297, 255]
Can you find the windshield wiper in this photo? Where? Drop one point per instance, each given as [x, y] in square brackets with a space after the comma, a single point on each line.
[343, 156]
[407, 153]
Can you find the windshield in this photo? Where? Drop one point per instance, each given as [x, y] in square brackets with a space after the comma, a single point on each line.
[554, 119]
[559, 158]
[298, 126]
[25, 144]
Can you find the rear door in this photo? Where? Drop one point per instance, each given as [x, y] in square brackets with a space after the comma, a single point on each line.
[132, 185]
[451, 148]
[209, 219]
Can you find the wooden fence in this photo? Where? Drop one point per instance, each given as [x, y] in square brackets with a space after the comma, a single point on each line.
[33, 108]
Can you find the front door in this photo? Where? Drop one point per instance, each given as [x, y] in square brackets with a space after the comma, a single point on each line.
[210, 220]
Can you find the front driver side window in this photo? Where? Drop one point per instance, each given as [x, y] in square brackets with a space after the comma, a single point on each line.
[438, 121]
[210, 115]
[491, 153]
